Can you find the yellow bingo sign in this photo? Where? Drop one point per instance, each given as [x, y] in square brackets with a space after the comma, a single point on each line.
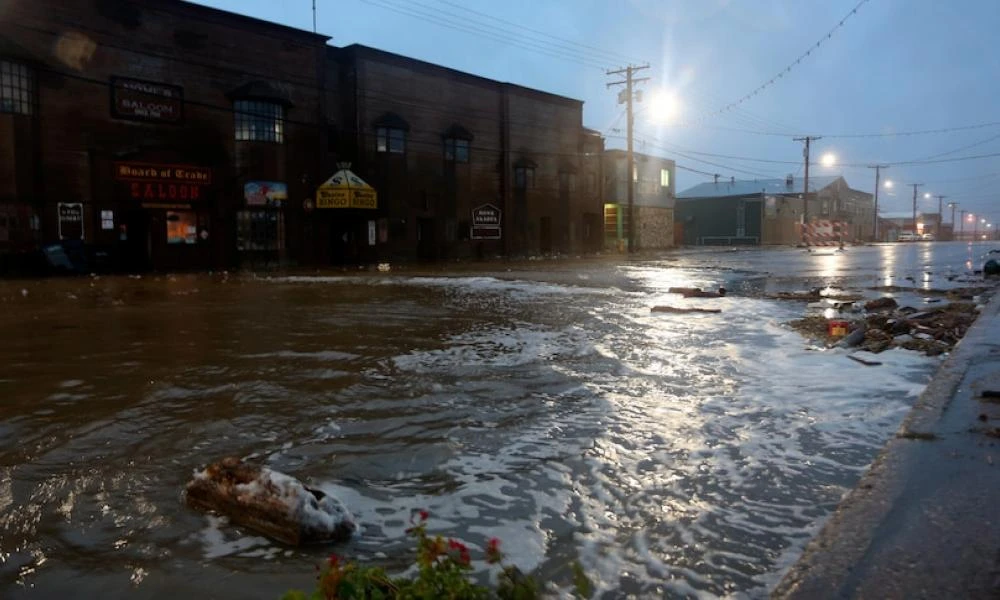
[346, 190]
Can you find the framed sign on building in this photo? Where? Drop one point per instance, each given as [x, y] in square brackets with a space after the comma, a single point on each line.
[138, 100]
[486, 221]
[70, 220]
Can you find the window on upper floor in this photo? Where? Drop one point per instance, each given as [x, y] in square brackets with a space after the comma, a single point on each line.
[524, 177]
[17, 88]
[390, 140]
[567, 182]
[456, 150]
[664, 178]
[258, 121]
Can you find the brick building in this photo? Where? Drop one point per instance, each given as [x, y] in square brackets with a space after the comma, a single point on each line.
[170, 135]
[149, 130]
[653, 200]
[439, 144]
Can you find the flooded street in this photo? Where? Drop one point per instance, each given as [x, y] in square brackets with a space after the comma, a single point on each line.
[542, 403]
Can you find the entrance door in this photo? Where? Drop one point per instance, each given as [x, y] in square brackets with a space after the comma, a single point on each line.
[425, 239]
[136, 247]
[545, 235]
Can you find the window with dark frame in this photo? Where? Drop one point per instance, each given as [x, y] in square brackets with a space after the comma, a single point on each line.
[258, 121]
[456, 150]
[390, 140]
[17, 88]
[524, 177]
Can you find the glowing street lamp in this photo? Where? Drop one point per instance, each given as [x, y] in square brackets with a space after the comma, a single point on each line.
[888, 184]
[828, 160]
[664, 107]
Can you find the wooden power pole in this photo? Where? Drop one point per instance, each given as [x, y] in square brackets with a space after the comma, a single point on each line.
[805, 184]
[878, 173]
[626, 97]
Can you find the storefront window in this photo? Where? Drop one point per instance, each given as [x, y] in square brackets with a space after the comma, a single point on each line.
[17, 88]
[182, 227]
[258, 230]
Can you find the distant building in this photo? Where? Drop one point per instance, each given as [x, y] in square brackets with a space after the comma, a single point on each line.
[653, 200]
[891, 225]
[772, 211]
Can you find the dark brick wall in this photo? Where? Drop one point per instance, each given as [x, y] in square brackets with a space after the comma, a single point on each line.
[78, 46]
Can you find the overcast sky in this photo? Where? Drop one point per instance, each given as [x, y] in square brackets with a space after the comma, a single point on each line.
[893, 66]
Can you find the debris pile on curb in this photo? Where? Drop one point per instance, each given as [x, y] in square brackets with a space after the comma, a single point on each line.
[933, 331]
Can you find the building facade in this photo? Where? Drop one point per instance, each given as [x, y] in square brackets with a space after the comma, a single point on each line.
[168, 135]
[653, 200]
[159, 133]
[773, 211]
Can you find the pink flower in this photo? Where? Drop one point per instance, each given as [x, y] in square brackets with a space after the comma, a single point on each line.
[424, 515]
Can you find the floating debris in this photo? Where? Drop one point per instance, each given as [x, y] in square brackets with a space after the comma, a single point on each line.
[675, 309]
[269, 502]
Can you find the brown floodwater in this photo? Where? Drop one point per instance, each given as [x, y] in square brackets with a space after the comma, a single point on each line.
[542, 403]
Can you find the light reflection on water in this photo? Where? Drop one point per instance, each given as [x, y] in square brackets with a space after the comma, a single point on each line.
[669, 454]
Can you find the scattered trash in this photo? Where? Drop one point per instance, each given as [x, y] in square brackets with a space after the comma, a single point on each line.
[674, 309]
[881, 304]
[269, 502]
[24, 292]
[384, 267]
[854, 338]
[867, 363]
[697, 292]
[837, 328]
[933, 331]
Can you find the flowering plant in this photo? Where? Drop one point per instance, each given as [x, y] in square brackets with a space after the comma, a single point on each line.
[442, 572]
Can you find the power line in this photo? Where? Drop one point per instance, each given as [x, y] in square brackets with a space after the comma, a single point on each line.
[604, 54]
[849, 135]
[490, 33]
[788, 68]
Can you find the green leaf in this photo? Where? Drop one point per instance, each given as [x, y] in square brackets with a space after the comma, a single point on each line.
[583, 587]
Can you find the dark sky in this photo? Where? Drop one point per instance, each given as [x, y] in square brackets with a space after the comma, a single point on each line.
[894, 66]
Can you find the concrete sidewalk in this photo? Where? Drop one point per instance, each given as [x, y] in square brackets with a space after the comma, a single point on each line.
[924, 521]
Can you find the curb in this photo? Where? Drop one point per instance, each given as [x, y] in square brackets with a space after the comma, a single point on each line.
[855, 550]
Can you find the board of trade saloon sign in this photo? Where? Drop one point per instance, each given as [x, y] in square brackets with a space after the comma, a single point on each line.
[163, 182]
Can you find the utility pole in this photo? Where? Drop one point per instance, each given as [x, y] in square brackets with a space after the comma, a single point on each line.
[937, 234]
[915, 186]
[805, 184]
[878, 172]
[626, 97]
[961, 227]
[952, 206]
[314, 16]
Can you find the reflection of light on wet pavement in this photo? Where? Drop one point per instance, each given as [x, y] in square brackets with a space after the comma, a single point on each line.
[671, 454]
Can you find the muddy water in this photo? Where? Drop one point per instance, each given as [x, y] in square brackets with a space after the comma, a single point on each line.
[671, 455]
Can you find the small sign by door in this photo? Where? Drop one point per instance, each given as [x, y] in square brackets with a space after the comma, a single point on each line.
[486, 220]
[70, 220]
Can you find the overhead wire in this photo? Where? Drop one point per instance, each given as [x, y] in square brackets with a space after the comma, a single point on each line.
[788, 68]
[483, 31]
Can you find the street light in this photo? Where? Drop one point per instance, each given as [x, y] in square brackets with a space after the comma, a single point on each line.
[828, 160]
[664, 107]
[888, 184]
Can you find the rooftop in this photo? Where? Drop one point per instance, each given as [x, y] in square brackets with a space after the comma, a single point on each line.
[772, 187]
[384, 55]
